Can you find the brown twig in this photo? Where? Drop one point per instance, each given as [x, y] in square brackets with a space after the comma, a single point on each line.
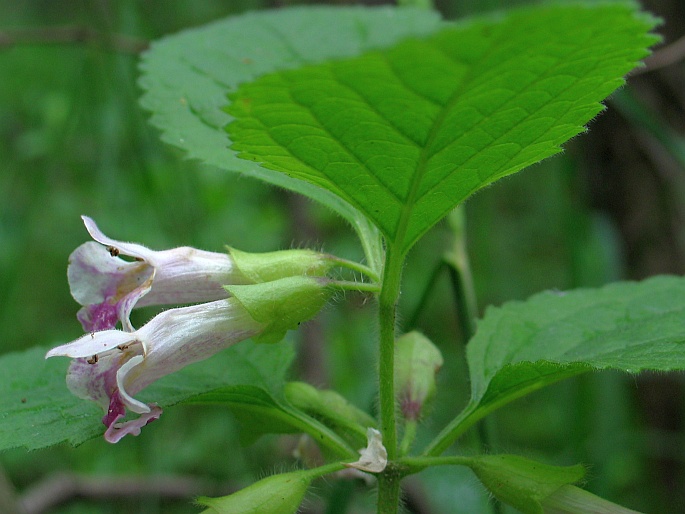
[312, 355]
[71, 34]
[663, 57]
[63, 487]
[8, 501]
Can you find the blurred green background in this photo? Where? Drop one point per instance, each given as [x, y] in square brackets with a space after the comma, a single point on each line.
[73, 141]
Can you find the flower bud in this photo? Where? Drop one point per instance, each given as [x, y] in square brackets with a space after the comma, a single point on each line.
[417, 361]
[523, 483]
[277, 494]
[330, 406]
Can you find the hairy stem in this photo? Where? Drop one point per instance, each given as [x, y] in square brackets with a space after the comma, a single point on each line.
[388, 491]
[387, 313]
[388, 481]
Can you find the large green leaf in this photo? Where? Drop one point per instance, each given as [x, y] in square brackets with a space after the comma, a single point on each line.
[186, 76]
[523, 346]
[405, 134]
[37, 409]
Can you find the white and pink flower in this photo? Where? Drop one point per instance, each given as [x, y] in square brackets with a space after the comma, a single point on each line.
[109, 287]
[111, 366]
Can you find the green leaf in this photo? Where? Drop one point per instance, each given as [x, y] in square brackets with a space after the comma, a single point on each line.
[37, 409]
[186, 78]
[405, 134]
[523, 346]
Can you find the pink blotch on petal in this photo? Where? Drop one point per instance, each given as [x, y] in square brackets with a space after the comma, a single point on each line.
[97, 317]
[116, 431]
[115, 411]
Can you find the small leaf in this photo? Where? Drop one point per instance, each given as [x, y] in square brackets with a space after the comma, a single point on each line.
[628, 326]
[37, 409]
[407, 133]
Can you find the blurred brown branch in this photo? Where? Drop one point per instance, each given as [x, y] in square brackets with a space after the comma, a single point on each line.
[664, 56]
[59, 488]
[71, 34]
[8, 501]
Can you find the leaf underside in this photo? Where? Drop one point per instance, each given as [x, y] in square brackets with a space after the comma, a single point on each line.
[407, 133]
[37, 410]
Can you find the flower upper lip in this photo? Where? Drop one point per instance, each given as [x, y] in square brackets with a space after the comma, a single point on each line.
[109, 287]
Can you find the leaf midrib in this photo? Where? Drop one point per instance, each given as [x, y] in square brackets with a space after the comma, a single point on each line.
[483, 121]
[406, 211]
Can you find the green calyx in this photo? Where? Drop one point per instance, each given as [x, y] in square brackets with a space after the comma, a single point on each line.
[282, 304]
[523, 483]
[266, 267]
[277, 494]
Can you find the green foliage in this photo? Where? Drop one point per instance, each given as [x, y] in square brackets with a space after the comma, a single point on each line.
[33, 392]
[406, 134]
[187, 80]
[187, 76]
[629, 326]
[261, 412]
[523, 346]
[258, 411]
